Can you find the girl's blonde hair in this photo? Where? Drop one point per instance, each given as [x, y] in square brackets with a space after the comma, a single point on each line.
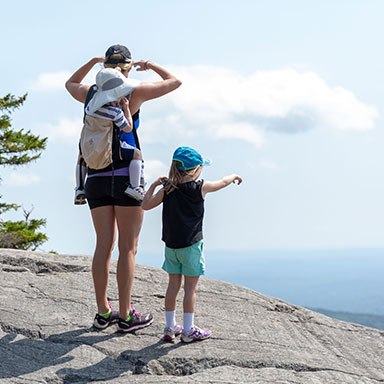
[122, 67]
[176, 176]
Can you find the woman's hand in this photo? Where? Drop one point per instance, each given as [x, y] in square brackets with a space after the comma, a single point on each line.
[141, 65]
[74, 87]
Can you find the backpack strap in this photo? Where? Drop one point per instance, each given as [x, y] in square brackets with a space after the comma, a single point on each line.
[135, 117]
[92, 90]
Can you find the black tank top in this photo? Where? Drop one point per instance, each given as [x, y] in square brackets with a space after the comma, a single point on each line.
[183, 212]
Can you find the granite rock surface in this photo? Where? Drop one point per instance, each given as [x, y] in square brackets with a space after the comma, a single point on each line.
[47, 308]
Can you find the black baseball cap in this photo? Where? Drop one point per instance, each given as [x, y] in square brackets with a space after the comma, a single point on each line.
[123, 55]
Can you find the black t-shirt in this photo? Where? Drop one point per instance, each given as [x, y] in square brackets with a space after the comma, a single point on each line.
[183, 212]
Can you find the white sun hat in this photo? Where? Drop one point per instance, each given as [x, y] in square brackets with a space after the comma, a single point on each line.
[112, 85]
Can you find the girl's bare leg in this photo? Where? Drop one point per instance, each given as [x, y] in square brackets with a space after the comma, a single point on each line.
[174, 284]
[190, 288]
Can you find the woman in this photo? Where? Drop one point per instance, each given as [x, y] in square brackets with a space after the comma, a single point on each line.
[110, 207]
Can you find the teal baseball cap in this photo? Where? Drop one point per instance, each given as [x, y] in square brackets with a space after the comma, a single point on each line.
[189, 158]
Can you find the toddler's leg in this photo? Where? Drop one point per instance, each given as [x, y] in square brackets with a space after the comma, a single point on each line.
[135, 168]
[81, 173]
[135, 189]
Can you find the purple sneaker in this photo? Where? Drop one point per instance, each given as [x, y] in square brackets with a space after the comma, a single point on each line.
[101, 322]
[195, 334]
[171, 332]
[136, 321]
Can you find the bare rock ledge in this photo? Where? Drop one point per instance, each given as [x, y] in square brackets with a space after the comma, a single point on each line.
[47, 307]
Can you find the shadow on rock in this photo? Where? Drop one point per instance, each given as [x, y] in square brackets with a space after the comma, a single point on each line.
[20, 356]
[146, 360]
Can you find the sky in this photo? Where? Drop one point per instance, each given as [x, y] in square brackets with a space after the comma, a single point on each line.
[287, 94]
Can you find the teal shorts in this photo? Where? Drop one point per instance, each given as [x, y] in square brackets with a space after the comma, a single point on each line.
[187, 261]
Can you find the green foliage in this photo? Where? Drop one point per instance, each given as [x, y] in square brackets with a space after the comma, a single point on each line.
[4, 207]
[18, 147]
[22, 234]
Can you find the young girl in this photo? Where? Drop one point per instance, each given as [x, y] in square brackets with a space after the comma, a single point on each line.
[110, 102]
[183, 197]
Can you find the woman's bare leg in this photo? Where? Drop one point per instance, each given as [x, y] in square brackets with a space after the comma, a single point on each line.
[129, 222]
[105, 227]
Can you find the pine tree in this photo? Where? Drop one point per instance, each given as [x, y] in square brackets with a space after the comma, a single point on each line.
[17, 148]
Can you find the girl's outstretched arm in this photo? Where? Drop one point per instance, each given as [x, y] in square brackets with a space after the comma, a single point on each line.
[150, 200]
[213, 186]
[74, 87]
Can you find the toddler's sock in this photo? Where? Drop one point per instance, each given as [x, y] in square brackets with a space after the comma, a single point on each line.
[135, 173]
[81, 173]
[142, 179]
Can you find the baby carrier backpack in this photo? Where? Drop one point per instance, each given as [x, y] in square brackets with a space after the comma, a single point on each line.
[99, 140]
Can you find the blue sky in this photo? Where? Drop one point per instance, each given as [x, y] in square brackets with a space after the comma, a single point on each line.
[287, 94]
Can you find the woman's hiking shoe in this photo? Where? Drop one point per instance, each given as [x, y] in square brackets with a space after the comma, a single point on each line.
[137, 193]
[135, 321]
[80, 197]
[102, 322]
[171, 332]
[195, 334]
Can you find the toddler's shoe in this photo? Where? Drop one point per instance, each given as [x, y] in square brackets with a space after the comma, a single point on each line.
[137, 193]
[101, 322]
[80, 197]
[195, 334]
[136, 321]
[171, 332]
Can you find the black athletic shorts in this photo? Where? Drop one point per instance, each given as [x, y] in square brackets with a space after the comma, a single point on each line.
[102, 191]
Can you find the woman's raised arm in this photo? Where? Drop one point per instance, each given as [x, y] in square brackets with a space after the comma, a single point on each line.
[74, 87]
[148, 91]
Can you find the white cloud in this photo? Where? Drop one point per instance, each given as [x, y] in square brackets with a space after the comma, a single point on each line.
[21, 179]
[221, 103]
[218, 103]
[55, 81]
[154, 169]
[65, 131]
[241, 131]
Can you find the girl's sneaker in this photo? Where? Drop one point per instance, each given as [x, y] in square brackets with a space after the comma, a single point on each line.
[101, 322]
[171, 332]
[136, 321]
[137, 193]
[195, 334]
